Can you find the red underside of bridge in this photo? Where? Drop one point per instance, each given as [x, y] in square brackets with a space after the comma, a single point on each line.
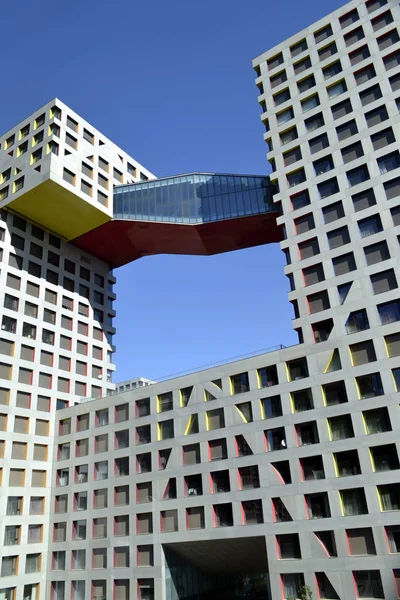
[121, 241]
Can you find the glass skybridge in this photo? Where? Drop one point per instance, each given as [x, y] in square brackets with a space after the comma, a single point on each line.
[194, 198]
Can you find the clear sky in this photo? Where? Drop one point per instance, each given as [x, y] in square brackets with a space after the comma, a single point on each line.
[172, 84]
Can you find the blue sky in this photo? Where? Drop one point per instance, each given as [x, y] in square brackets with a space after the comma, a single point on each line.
[172, 84]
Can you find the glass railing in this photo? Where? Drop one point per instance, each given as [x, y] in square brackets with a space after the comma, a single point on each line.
[194, 198]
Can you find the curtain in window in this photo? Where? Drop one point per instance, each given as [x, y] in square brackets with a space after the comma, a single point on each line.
[389, 313]
[63, 479]
[375, 424]
[389, 498]
[8, 566]
[357, 321]
[80, 530]
[81, 501]
[64, 452]
[394, 541]
[34, 534]
[369, 228]
[79, 559]
[101, 470]
[59, 590]
[353, 504]
[340, 429]
[13, 507]
[369, 584]
[79, 590]
[10, 536]
[32, 563]
[291, 586]
[59, 561]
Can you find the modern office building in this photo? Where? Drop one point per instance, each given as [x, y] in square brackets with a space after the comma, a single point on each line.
[248, 480]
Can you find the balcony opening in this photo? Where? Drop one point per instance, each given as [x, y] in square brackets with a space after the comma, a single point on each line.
[297, 369]
[302, 400]
[312, 467]
[249, 478]
[384, 458]
[322, 330]
[318, 506]
[334, 393]
[267, 376]
[341, 427]
[242, 446]
[369, 385]
[353, 502]
[220, 482]
[377, 420]
[347, 463]
[240, 383]
[194, 485]
[271, 407]
[252, 512]
[282, 469]
[307, 433]
[327, 540]
[288, 546]
[280, 512]
[275, 439]
[223, 515]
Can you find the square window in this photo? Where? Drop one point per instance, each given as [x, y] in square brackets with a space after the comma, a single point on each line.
[383, 281]
[300, 200]
[376, 116]
[278, 79]
[333, 212]
[338, 237]
[340, 427]
[288, 546]
[389, 162]
[352, 152]
[310, 103]
[370, 95]
[288, 136]
[327, 51]
[368, 584]
[354, 36]
[313, 123]
[318, 143]
[323, 34]
[357, 175]
[337, 89]
[317, 506]
[323, 165]
[376, 421]
[363, 200]
[365, 74]
[328, 188]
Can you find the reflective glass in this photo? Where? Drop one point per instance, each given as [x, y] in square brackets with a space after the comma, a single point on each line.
[194, 198]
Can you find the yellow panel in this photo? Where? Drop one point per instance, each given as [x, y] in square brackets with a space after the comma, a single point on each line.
[57, 209]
